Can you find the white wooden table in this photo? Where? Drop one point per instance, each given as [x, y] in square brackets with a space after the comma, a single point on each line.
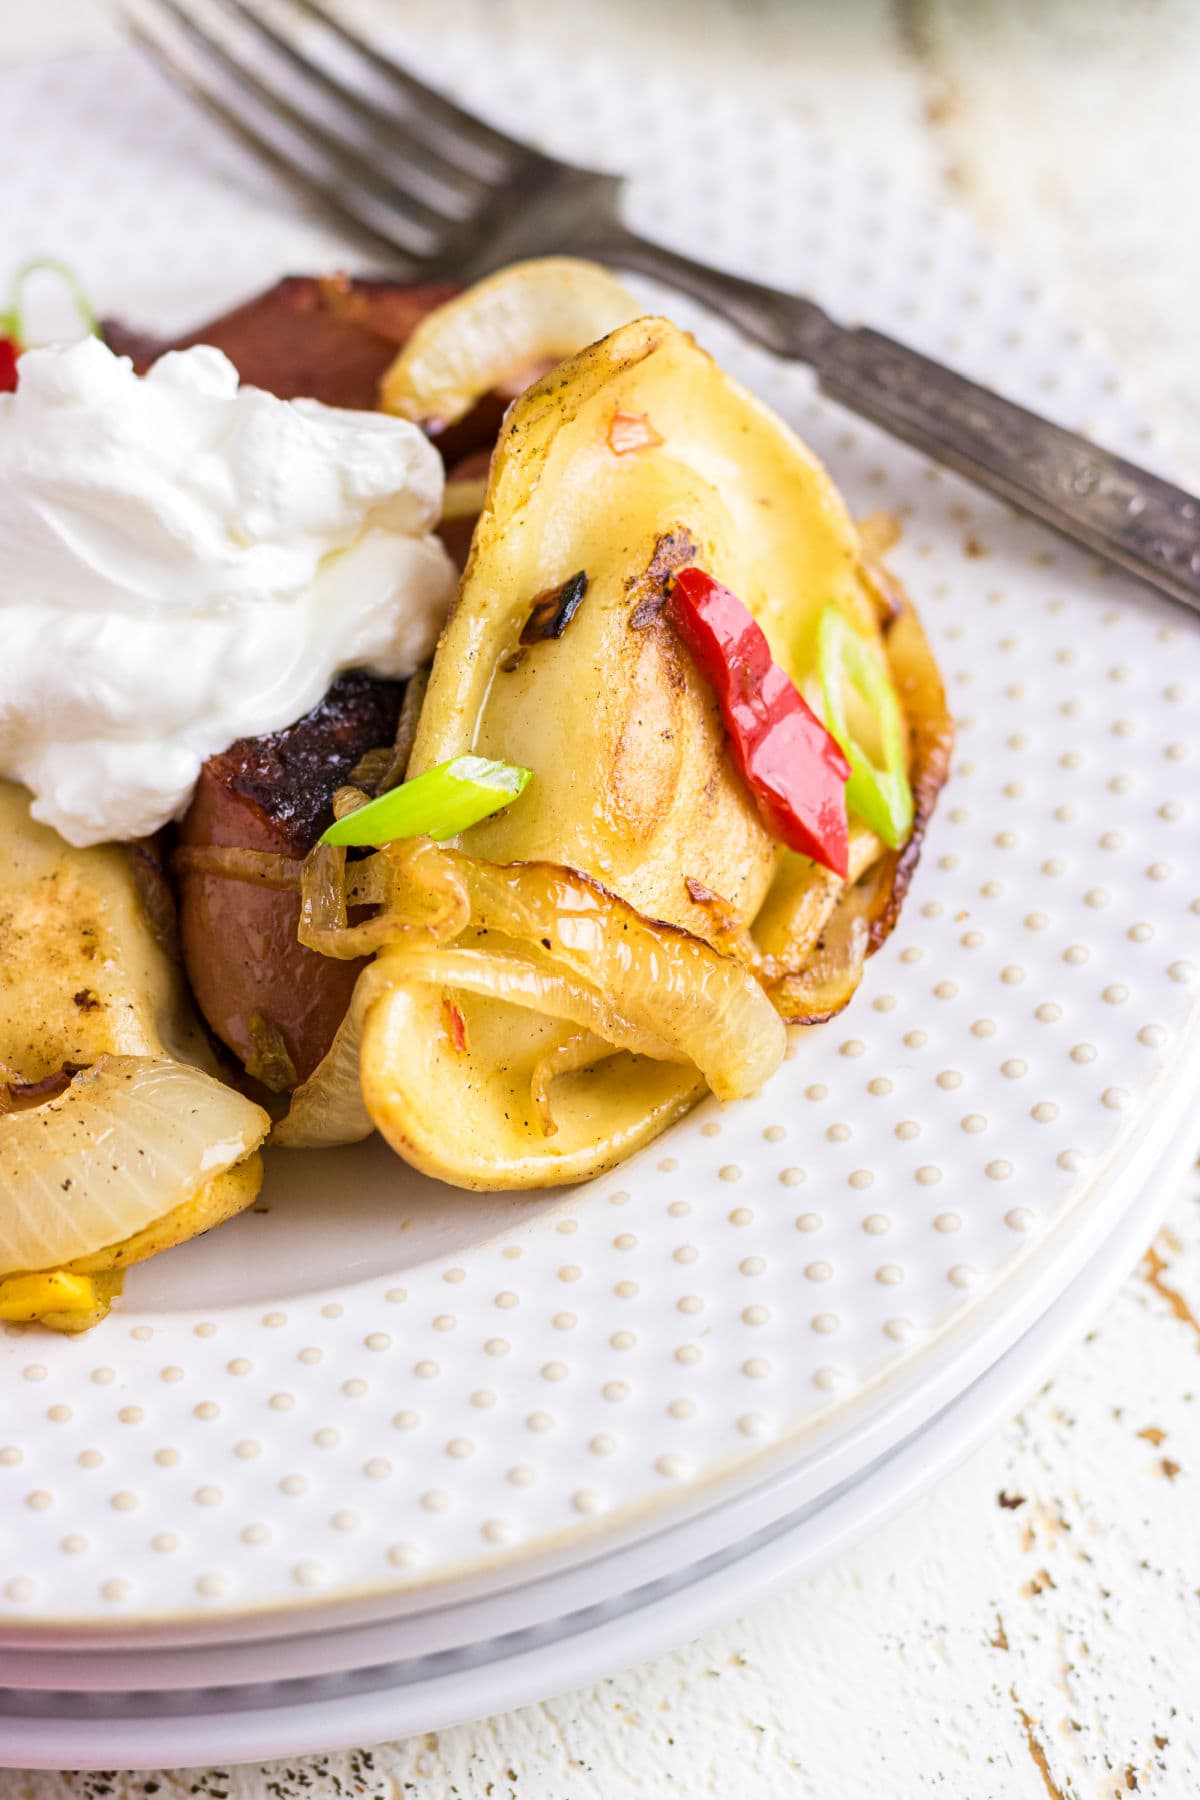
[1032, 1629]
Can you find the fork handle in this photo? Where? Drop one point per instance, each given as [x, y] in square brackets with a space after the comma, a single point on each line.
[1122, 512]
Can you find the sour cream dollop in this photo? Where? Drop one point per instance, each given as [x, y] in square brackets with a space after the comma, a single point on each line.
[183, 562]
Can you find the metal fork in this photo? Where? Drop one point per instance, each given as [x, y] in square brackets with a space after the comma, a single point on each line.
[451, 195]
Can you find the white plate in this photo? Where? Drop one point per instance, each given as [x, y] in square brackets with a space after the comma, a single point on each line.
[381, 1682]
[381, 1395]
[669, 1557]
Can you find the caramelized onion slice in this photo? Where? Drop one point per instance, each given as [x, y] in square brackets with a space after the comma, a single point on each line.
[417, 895]
[828, 977]
[706, 1006]
[463, 497]
[131, 1140]
[329, 1108]
[539, 986]
[798, 904]
[702, 1005]
[582, 1027]
[478, 1111]
[519, 322]
[262, 868]
[582, 1050]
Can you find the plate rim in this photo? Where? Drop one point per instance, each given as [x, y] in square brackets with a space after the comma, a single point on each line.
[993, 1329]
[712, 1595]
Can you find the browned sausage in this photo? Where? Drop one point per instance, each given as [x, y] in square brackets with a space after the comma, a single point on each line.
[327, 338]
[251, 977]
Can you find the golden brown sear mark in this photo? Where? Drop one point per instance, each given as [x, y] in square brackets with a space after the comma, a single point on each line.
[647, 592]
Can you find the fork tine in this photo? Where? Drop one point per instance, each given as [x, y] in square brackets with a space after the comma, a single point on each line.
[422, 162]
[461, 129]
[340, 204]
[408, 210]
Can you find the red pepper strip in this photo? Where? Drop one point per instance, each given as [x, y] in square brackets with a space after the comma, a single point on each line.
[456, 1026]
[793, 767]
[9, 351]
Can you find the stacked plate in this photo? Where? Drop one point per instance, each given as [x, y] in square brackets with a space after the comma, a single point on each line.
[379, 1455]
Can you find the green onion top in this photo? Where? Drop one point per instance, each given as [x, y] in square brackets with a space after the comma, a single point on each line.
[12, 319]
[438, 804]
[881, 797]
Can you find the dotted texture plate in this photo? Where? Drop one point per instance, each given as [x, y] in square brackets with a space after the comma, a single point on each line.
[373, 1385]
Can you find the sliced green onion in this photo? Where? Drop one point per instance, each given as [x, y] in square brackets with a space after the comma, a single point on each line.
[438, 804]
[12, 320]
[881, 797]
